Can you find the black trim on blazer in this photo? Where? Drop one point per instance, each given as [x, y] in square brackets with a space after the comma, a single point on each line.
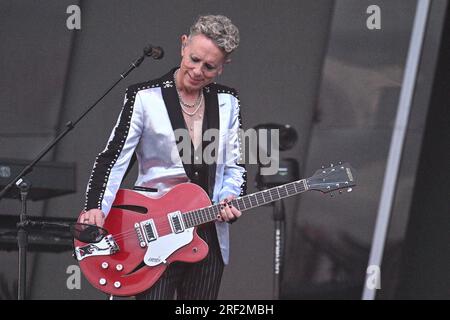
[172, 103]
[108, 157]
[212, 114]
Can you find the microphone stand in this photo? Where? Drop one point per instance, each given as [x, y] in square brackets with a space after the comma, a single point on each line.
[24, 185]
[279, 230]
[22, 237]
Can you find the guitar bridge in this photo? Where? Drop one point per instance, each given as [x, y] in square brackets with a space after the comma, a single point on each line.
[107, 246]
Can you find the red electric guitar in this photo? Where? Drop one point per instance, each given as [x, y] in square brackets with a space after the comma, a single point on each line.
[146, 234]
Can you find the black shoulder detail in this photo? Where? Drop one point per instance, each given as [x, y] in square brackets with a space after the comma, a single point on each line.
[166, 81]
[134, 88]
[219, 88]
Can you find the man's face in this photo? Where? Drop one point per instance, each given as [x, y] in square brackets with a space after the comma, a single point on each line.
[202, 60]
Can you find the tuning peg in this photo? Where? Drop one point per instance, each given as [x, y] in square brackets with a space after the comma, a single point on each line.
[331, 165]
[349, 190]
[323, 167]
[332, 194]
[340, 162]
[340, 191]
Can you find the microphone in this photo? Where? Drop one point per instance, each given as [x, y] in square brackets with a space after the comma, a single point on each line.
[149, 51]
[154, 52]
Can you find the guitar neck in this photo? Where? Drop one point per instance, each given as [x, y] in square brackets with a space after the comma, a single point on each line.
[208, 214]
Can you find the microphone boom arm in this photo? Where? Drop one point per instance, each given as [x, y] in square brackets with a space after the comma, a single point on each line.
[24, 185]
[148, 51]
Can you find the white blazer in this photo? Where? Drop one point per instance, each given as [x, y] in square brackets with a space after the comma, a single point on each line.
[148, 121]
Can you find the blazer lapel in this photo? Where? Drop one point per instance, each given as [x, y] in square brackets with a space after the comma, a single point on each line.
[170, 96]
[172, 103]
[212, 114]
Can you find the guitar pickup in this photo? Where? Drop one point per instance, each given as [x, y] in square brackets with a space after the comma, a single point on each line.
[106, 247]
[176, 222]
[149, 229]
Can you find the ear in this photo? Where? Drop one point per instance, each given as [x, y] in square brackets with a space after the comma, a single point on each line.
[184, 39]
[220, 70]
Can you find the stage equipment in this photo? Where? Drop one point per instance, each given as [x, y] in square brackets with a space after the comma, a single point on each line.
[23, 185]
[288, 171]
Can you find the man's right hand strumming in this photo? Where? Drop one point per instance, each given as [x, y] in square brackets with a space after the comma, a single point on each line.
[93, 216]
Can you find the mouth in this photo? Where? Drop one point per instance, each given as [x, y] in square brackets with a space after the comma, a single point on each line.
[193, 80]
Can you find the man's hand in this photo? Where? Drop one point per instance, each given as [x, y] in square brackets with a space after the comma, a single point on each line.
[93, 216]
[228, 212]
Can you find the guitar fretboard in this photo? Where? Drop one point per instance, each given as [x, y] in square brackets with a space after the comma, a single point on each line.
[208, 214]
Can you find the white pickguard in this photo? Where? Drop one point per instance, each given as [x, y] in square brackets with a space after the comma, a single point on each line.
[159, 250]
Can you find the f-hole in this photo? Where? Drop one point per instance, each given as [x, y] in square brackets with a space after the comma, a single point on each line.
[138, 209]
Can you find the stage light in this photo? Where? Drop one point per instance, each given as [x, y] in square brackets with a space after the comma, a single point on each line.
[288, 135]
[287, 168]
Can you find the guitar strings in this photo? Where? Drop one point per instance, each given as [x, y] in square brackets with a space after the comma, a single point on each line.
[166, 228]
[163, 230]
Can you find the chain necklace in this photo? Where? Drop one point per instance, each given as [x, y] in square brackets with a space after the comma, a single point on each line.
[193, 112]
[190, 106]
[197, 104]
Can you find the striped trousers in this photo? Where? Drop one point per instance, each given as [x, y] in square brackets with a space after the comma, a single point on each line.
[191, 281]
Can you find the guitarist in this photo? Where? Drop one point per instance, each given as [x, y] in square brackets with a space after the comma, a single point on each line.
[186, 98]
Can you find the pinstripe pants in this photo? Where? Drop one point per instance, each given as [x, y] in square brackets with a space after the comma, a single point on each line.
[191, 281]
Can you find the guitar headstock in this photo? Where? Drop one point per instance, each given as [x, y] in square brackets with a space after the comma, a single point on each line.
[334, 177]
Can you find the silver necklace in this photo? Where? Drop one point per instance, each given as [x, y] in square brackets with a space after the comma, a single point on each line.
[196, 109]
[183, 104]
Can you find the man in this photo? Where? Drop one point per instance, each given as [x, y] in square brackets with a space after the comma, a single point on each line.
[184, 99]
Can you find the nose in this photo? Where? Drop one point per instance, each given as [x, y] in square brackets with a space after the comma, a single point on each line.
[197, 71]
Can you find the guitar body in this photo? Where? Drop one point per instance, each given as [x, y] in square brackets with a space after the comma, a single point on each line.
[135, 263]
